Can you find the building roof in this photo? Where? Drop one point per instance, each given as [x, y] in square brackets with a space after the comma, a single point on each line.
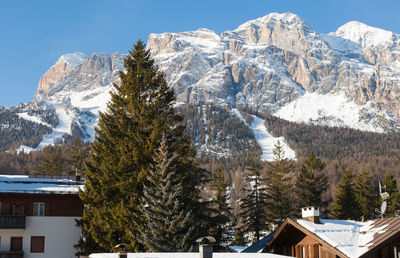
[26, 184]
[187, 255]
[391, 229]
[349, 237]
[259, 245]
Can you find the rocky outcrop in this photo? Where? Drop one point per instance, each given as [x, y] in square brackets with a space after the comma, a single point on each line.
[57, 72]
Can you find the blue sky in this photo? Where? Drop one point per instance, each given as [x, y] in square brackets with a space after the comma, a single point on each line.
[34, 34]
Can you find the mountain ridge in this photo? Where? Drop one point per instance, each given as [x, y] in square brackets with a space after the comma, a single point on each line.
[276, 64]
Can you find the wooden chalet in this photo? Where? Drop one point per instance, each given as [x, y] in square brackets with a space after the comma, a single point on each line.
[312, 237]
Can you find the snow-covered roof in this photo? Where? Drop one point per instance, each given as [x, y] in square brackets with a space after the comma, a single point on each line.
[26, 184]
[350, 237]
[188, 255]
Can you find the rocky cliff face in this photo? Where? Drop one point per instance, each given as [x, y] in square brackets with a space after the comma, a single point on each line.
[274, 64]
[269, 62]
[57, 72]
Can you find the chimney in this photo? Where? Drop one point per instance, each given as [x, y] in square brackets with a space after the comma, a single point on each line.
[205, 246]
[311, 214]
[206, 251]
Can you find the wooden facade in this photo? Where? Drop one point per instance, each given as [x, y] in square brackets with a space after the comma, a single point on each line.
[55, 204]
[291, 239]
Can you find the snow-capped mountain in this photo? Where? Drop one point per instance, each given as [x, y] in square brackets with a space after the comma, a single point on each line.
[275, 64]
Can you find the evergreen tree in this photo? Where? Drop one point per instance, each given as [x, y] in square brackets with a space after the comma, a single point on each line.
[311, 183]
[221, 220]
[279, 188]
[365, 194]
[51, 162]
[393, 203]
[128, 135]
[77, 154]
[238, 236]
[168, 225]
[346, 205]
[252, 205]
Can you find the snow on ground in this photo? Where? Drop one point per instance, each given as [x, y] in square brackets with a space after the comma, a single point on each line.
[188, 255]
[94, 100]
[237, 248]
[24, 148]
[265, 139]
[34, 119]
[348, 236]
[64, 126]
[330, 109]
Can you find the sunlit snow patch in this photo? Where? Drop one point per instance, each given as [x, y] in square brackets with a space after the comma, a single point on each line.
[265, 139]
[64, 126]
[330, 110]
[34, 119]
[24, 148]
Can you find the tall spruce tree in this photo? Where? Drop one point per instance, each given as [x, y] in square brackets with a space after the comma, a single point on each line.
[128, 135]
[365, 194]
[77, 154]
[51, 163]
[279, 203]
[221, 220]
[169, 225]
[311, 183]
[393, 203]
[252, 205]
[346, 205]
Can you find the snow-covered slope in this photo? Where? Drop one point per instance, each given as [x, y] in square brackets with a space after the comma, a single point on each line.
[73, 59]
[364, 35]
[330, 110]
[275, 64]
[266, 141]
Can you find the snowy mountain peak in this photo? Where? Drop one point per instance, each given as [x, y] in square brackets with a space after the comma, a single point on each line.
[287, 17]
[73, 59]
[285, 31]
[364, 35]
[275, 19]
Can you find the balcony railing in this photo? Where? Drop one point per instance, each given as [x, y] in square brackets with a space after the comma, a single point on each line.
[11, 254]
[12, 222]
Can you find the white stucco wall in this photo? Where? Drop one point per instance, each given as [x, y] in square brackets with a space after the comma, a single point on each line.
[61, 234]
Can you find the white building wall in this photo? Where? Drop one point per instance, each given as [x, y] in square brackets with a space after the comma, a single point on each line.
[60, 236]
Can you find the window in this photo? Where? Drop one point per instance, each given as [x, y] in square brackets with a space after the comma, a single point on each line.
[38, 209]
[307, 250]
[37, 244]
[18, 209]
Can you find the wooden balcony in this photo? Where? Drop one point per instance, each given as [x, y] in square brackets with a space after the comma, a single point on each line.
[11, 254]
[12, 222]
